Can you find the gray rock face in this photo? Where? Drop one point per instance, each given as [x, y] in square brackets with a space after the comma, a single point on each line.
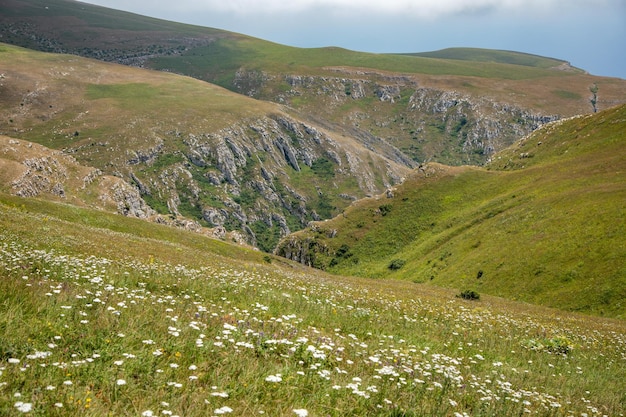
[466, 128]
[39, 171]
[43, 175]
[240, 178]
[129, 201]
[300, 250]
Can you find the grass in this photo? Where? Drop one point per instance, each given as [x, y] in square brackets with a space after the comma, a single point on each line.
[542, 223]
[490, 55]
[160, 324]
[227, 55]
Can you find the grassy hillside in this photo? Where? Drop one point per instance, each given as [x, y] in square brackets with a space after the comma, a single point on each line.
[503, 57]
[256, 54]
[102, 314]
[455, 106]
[543, 223]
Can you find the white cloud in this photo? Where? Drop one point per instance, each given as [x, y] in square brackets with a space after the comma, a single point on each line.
[566, 29]
[406, 8]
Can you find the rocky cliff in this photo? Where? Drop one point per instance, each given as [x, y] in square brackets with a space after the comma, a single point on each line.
[32, 170]
[265, 177]
[421, 119]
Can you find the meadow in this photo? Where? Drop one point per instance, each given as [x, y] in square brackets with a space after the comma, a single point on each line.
[101, 320]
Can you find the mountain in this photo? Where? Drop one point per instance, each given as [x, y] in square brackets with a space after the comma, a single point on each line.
[344, 125]
[456, 106]
[189, 148]
[542, 222]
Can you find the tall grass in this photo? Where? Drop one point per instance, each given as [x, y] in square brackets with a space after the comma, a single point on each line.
[131, 329]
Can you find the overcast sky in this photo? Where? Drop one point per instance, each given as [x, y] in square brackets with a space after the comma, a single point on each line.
[590, 34]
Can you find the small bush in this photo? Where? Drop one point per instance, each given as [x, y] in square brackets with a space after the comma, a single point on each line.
[342, 251]
[384, 209]
[469, 295]
[396, 264]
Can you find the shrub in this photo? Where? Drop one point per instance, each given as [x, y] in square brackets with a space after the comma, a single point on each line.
[396, 264]
[322, 167]
[343, 251]
[384, 209]
[469, 295]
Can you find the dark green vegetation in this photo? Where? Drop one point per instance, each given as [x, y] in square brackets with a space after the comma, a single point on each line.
[543, 222]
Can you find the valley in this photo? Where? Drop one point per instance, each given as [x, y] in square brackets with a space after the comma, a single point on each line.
[198, 222]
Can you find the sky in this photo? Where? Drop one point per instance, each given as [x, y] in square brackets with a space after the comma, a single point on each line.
[590, 34]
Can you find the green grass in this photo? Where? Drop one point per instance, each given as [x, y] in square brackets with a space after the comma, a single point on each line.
[543, 223]
[491, 56]
[103, 315]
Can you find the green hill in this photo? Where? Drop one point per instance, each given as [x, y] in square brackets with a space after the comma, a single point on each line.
[185, 148]
[497, 56]
[542, 223]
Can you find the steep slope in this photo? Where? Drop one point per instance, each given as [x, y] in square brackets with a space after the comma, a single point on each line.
[190, 149]
[456, 106]
[543, 223]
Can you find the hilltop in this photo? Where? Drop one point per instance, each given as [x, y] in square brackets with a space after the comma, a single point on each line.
[542, 222]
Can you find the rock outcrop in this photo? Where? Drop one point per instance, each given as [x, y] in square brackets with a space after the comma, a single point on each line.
[241, 177]
[32, 170]
[421, 122]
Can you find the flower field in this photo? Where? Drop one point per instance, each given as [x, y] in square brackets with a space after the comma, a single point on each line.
[94, 335]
